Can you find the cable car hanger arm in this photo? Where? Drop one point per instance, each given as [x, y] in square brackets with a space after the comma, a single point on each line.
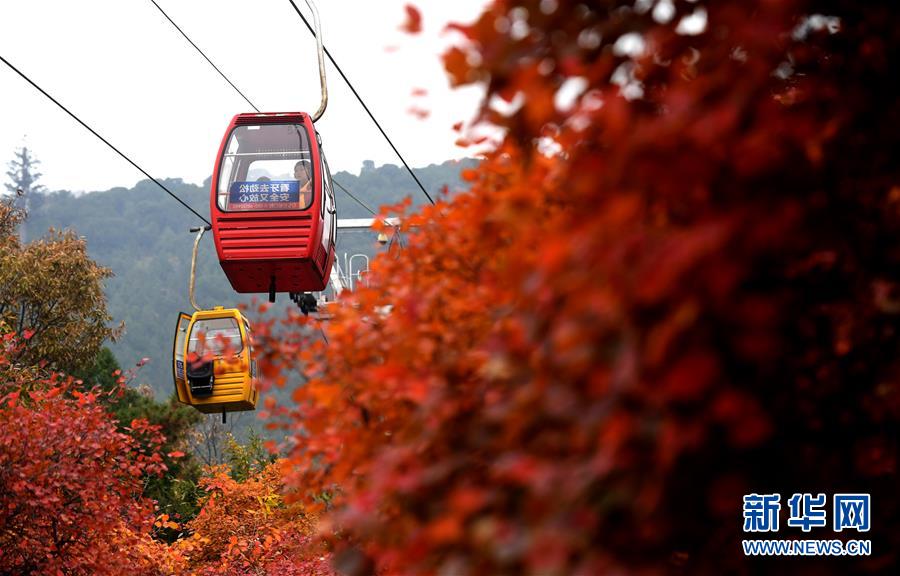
[199, 230]
[320, 51]
[366, 108]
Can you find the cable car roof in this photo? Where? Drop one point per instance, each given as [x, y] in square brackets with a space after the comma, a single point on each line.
[270, 118]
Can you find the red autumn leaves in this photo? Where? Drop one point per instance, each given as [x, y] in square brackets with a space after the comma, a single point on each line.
[645, 308]
[70, 483]
[413, 23]
[592, 355]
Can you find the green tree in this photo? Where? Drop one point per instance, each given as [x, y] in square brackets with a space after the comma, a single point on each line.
[249, 459]
[51, 293]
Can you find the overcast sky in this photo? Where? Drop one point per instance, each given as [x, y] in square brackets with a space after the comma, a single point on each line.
[123, 68]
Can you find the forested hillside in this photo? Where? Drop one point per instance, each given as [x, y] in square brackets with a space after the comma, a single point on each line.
[142, 235]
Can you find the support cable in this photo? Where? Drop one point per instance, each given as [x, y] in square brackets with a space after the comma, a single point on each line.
[366, 108]
[191, 42]
[358, 201]
[252, 105]
[104, 140]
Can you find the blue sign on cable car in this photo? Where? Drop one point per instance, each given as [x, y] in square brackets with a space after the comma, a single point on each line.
[268, 195]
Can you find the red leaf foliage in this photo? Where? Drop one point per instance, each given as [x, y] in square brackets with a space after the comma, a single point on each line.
[419, 113]
[70, 484]
[413, 24]
[672, 293]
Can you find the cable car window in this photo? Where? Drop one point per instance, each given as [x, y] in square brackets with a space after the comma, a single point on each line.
[325, 183]
[330, 188]
[214, 336]
[332, 206]
[266, 167]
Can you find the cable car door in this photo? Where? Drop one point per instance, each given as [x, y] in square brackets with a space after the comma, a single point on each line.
[178, 367]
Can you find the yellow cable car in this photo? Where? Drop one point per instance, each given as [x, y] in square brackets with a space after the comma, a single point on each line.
[227, 382]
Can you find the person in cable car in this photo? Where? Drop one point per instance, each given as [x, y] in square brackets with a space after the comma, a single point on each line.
[302, 175]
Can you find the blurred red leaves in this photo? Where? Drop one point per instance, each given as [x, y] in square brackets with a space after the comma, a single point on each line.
[418, 113]
[457, 66]
[413, 23]
[679, 287]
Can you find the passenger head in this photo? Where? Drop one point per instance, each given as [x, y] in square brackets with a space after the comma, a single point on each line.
[301, 170]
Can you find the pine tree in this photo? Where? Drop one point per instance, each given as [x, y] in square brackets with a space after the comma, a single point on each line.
[23, 181]
[23, 174]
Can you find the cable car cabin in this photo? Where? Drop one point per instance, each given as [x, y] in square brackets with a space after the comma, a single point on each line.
[227, 381]
[272, 205]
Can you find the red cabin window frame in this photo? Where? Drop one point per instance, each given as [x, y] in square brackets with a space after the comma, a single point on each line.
[314, 156]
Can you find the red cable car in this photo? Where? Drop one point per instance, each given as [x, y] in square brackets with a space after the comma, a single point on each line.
[272, 205]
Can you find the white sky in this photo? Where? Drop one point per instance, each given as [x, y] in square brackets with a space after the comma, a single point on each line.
[123, 69]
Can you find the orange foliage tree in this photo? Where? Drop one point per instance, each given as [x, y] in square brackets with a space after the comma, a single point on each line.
[70, 484]
[673, 283]
[245, 527]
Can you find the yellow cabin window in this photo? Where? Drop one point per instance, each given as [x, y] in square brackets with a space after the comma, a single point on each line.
[214, 336]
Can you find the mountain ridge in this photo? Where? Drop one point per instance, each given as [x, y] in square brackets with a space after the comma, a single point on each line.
[142, 236]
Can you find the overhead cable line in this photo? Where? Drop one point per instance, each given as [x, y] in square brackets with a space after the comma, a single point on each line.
[230, 83]
[366, 108]
[222, 74]
[358, 201]
[104, 140]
